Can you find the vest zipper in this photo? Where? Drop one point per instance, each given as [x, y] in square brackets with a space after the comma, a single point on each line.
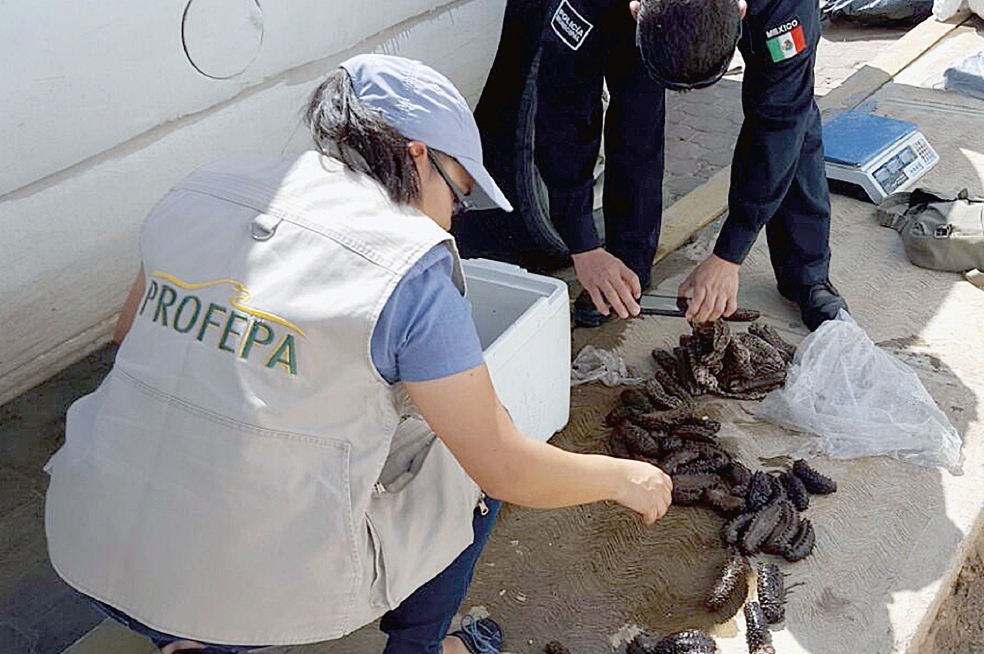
[378, 488]
[483, 508]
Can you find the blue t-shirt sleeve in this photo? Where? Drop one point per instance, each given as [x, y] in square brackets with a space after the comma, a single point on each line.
[426, 330]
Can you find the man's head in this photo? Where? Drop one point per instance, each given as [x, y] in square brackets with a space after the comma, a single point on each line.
[687, 44]
[405, 125]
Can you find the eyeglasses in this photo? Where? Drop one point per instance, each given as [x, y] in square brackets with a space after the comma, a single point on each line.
[461, 201]
[685, 86]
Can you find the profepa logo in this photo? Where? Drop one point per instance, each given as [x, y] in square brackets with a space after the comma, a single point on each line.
[240, 330]
[570, 26]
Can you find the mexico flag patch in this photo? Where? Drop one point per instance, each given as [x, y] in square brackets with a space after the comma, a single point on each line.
[786, 40]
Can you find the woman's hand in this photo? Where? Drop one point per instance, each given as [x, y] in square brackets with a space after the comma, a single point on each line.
[646, 489]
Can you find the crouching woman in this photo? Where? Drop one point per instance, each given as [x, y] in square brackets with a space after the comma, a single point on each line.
[299, 434]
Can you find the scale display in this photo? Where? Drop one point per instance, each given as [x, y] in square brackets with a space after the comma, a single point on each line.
[881, 155]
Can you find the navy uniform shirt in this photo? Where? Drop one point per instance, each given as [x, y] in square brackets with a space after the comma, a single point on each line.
[778, 163]
[777, 172]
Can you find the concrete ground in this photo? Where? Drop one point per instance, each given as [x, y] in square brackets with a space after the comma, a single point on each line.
[40, 615]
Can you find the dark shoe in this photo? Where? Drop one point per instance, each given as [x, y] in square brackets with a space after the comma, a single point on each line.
[818, 304]
[483, 636]
[585, 313]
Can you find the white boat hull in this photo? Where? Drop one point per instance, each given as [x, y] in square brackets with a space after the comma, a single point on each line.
[94, 134]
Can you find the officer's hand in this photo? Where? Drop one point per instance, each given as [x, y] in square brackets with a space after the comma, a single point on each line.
[712, 289]
[608, 281]
[646, 489]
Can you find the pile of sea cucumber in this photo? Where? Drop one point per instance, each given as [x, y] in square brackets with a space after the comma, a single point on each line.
[659, 422]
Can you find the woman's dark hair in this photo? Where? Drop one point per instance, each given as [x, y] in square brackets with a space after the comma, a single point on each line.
[687, 43]
[346, 129]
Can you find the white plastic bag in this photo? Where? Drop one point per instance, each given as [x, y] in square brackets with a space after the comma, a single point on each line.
[946, 9]
[860, 400]
[967, 75]
[595, 364]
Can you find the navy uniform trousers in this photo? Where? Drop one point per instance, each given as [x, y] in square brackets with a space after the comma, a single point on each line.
[777, 176]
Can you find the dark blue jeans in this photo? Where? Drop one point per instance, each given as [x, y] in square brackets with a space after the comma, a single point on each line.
[416, 626]
[420, 623]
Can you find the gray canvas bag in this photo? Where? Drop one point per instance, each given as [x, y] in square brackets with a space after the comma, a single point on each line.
[941, 231]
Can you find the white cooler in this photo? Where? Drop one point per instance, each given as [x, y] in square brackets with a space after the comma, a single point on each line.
[523, 321]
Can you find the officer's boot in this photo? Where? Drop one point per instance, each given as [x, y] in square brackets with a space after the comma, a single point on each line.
[818, 302]
[586, 315]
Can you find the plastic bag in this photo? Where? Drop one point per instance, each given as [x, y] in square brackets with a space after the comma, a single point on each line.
[595, 364]
[877, 12]
[860, 400]
[946, 9]
[966, 76]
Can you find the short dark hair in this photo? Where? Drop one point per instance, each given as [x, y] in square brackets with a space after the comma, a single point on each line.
[346, 129]
[687, 43]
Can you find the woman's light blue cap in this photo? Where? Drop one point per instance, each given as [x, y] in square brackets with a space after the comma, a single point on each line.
[423, 105]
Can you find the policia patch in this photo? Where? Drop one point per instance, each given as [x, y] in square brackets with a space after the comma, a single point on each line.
[785, 41]
[570, 26]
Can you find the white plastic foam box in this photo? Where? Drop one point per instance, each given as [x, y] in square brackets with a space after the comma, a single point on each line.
[523, 321]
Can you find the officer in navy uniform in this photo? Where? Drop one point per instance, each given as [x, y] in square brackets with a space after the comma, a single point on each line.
[777, 177]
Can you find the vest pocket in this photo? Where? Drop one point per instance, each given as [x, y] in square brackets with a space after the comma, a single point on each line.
[419, 530]
[202, 526]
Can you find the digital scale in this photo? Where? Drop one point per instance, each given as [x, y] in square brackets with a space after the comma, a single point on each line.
[881, 155]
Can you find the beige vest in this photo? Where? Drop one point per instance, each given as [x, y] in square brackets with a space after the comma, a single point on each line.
[224, 482]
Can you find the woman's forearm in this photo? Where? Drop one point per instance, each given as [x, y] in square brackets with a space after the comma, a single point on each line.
[539, 475]
[466, 414]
